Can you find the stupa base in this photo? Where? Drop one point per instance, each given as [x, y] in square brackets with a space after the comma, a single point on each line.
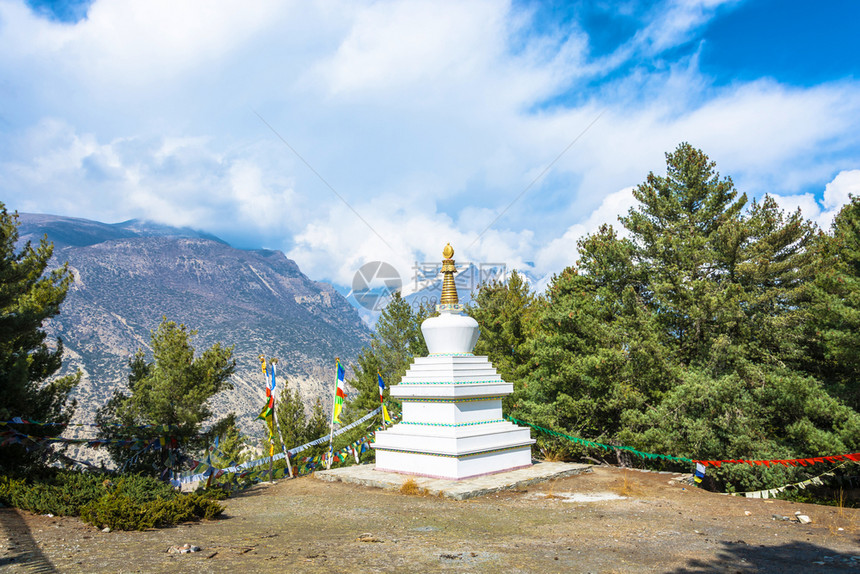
[367, 475]
[453, 467]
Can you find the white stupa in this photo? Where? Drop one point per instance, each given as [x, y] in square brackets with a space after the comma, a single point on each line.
[452, 425]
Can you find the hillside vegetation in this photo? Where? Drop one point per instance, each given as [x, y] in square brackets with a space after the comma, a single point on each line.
[706, 326]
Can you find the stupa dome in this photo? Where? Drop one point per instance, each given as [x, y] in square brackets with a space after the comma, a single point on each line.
[452, 332]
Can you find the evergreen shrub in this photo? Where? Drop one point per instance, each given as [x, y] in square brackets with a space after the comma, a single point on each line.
[130, 502]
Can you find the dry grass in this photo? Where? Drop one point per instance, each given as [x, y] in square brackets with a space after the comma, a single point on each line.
[551, 494]
[627, 488]
[843, 521]
[552, 454]
[840, 503]
[411, 488]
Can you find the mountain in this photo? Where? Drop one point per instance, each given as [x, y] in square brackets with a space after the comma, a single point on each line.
[128, 275]
[76, 232]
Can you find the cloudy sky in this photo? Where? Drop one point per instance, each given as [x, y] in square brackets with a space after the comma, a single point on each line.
[345, 132]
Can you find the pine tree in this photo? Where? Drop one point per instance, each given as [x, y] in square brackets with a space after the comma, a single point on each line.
[727, 287]
[395, 343]
[29, 295]
[317, 426]
[366, 385]
[688, 338]
[398, 337]
[290, 418]
[232, 444]
[597, 351]
[505, 312]
[679, 230]
[173, 389]
[297, 428]
[834, 311]
[766, 285]
[317, 422]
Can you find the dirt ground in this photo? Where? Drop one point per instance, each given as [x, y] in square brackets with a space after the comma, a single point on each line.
[308, 525]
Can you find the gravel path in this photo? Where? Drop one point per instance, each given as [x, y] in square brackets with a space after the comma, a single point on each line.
[609, 520]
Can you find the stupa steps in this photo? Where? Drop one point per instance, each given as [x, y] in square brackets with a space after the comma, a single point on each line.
[450, 378]
[456, 442]
[413, 379]
[443, 372]
[451, 390]
[451, 359]
[458, 361]
[408, 431]
[453, 406]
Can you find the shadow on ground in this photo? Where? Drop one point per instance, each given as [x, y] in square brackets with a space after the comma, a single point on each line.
[22, 548]
[792, 557]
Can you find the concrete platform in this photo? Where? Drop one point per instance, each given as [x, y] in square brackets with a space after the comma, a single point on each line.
[367, 475]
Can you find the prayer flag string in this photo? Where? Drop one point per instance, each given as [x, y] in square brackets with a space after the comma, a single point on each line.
[592, 444]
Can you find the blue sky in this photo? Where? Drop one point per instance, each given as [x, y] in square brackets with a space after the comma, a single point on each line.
[433, 121]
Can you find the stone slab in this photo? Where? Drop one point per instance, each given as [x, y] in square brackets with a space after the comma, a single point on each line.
[367, 475]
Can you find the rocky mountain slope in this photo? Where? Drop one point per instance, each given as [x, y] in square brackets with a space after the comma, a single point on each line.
[128, 275]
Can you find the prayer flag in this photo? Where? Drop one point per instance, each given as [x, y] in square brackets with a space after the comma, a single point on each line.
[700, 473]
[273, 369]
[268, 416]
[385, 415]
[268, 412]
[269, 409]
[339, 393]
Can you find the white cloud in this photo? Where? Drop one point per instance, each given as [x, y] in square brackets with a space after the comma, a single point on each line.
[836, 194]
[403, 46]
[175, 181]
[256, 202]
[675, 22]
[562, 252]
[429, 118]
[127, 44]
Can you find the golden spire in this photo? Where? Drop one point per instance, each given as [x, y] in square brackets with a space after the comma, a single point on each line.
[449, 290]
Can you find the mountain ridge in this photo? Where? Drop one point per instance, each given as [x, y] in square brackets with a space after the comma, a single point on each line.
[127, 276]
